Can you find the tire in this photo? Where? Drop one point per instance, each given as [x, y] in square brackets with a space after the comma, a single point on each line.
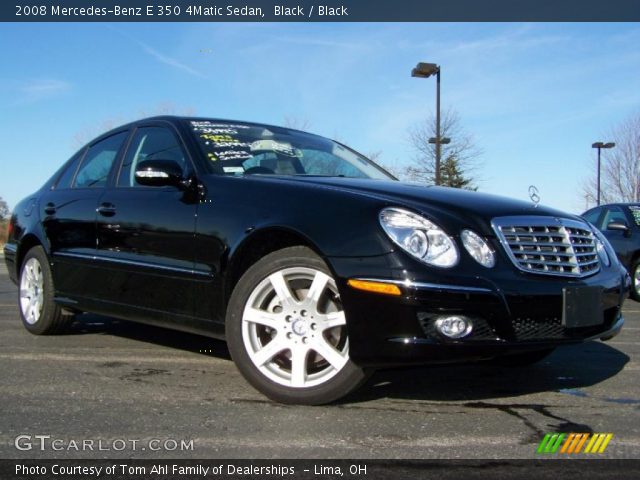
[39, 313]
[523, 359]
[272, 305]
[635, 280]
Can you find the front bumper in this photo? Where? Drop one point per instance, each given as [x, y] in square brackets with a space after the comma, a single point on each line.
[511, 311]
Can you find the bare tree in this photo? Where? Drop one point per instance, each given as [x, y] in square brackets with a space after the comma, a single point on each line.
[297, 123]
[4, 210]
[374, 156]
[4, 217]
[620, 166]
[460, 158]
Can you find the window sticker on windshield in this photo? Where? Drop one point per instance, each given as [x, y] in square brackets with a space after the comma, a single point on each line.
[233, 169]
[274, 146]
[226, 143]
[635, 211]
[226, 155]
[202, 126]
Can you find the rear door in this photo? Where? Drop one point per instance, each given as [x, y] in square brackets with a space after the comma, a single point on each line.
[146, 234]
[68, 214]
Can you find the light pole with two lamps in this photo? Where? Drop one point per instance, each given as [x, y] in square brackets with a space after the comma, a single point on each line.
[425, 70]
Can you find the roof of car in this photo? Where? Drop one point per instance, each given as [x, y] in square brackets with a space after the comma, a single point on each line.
[175, 119]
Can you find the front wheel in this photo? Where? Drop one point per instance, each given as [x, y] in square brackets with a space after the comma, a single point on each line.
[287, 330]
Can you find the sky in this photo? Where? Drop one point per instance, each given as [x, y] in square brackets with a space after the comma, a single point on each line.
[533, 96]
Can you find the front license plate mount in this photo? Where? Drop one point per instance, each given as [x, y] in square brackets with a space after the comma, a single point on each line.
[582, 307]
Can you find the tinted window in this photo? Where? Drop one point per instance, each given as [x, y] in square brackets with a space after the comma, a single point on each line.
[150, 143]
[592, 216]
[95, 168]
[614, 214]
[64, 181]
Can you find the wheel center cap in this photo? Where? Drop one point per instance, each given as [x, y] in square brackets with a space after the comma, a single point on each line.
[299, 327]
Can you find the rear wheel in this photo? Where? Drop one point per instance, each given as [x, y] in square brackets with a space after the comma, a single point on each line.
[40, 314]
[523, 359]
[287, 332]
[635, 280]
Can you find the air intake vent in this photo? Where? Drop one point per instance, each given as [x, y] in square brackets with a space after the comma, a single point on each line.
[548, 245]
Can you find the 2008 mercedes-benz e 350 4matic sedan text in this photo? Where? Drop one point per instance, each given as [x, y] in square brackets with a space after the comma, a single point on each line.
[313, 263]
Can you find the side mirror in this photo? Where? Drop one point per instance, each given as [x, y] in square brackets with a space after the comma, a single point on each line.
[158, 173]
[619, 226]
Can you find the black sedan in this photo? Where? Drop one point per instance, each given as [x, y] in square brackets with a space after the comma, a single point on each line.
[620, 223]
[313, 262]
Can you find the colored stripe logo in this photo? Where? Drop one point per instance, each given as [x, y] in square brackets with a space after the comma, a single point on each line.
[573, 443]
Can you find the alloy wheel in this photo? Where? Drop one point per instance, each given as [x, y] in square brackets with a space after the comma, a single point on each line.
[32, 291]
[294, 328]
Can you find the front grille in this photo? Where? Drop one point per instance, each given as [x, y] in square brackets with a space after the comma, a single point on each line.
[538, 329]
[548, 245]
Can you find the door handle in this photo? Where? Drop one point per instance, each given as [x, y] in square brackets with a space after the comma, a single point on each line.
[107, 209]
[50, 208]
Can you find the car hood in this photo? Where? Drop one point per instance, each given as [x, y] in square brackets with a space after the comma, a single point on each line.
[453, 200]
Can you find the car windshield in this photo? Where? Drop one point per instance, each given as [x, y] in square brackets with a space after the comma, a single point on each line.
[235, 148]
[635, 211]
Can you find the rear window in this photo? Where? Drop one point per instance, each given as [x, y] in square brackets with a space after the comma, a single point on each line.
[97, 163]
[65, 180]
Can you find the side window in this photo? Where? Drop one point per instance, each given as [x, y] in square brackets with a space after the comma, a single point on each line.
[592, 216]
[95, 168]
[614, 214]
[64, 180]
[150, 143]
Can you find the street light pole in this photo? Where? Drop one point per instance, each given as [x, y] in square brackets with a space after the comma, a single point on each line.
[600, 146]
[425, 70]
[439, 140]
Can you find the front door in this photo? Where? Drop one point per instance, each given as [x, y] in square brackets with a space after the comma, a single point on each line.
[146, 234]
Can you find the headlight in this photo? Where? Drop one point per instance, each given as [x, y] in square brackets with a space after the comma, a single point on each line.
[478, 248]
[602, 250]
[419, 237]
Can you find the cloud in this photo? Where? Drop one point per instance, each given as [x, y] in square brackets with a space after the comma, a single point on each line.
[160, 57]
[169, 60]
[316, 42]
[36, 90]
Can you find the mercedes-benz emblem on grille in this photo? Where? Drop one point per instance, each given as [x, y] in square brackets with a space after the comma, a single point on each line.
[534, 195]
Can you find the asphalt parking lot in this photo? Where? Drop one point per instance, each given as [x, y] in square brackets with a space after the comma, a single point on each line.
[109, 379]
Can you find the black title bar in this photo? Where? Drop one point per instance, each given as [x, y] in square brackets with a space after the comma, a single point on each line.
[281, 469]
[320, 11]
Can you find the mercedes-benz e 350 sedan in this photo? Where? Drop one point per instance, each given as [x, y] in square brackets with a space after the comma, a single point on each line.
[313, 262]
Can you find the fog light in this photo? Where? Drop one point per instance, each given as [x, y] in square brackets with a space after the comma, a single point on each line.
[454, 327]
